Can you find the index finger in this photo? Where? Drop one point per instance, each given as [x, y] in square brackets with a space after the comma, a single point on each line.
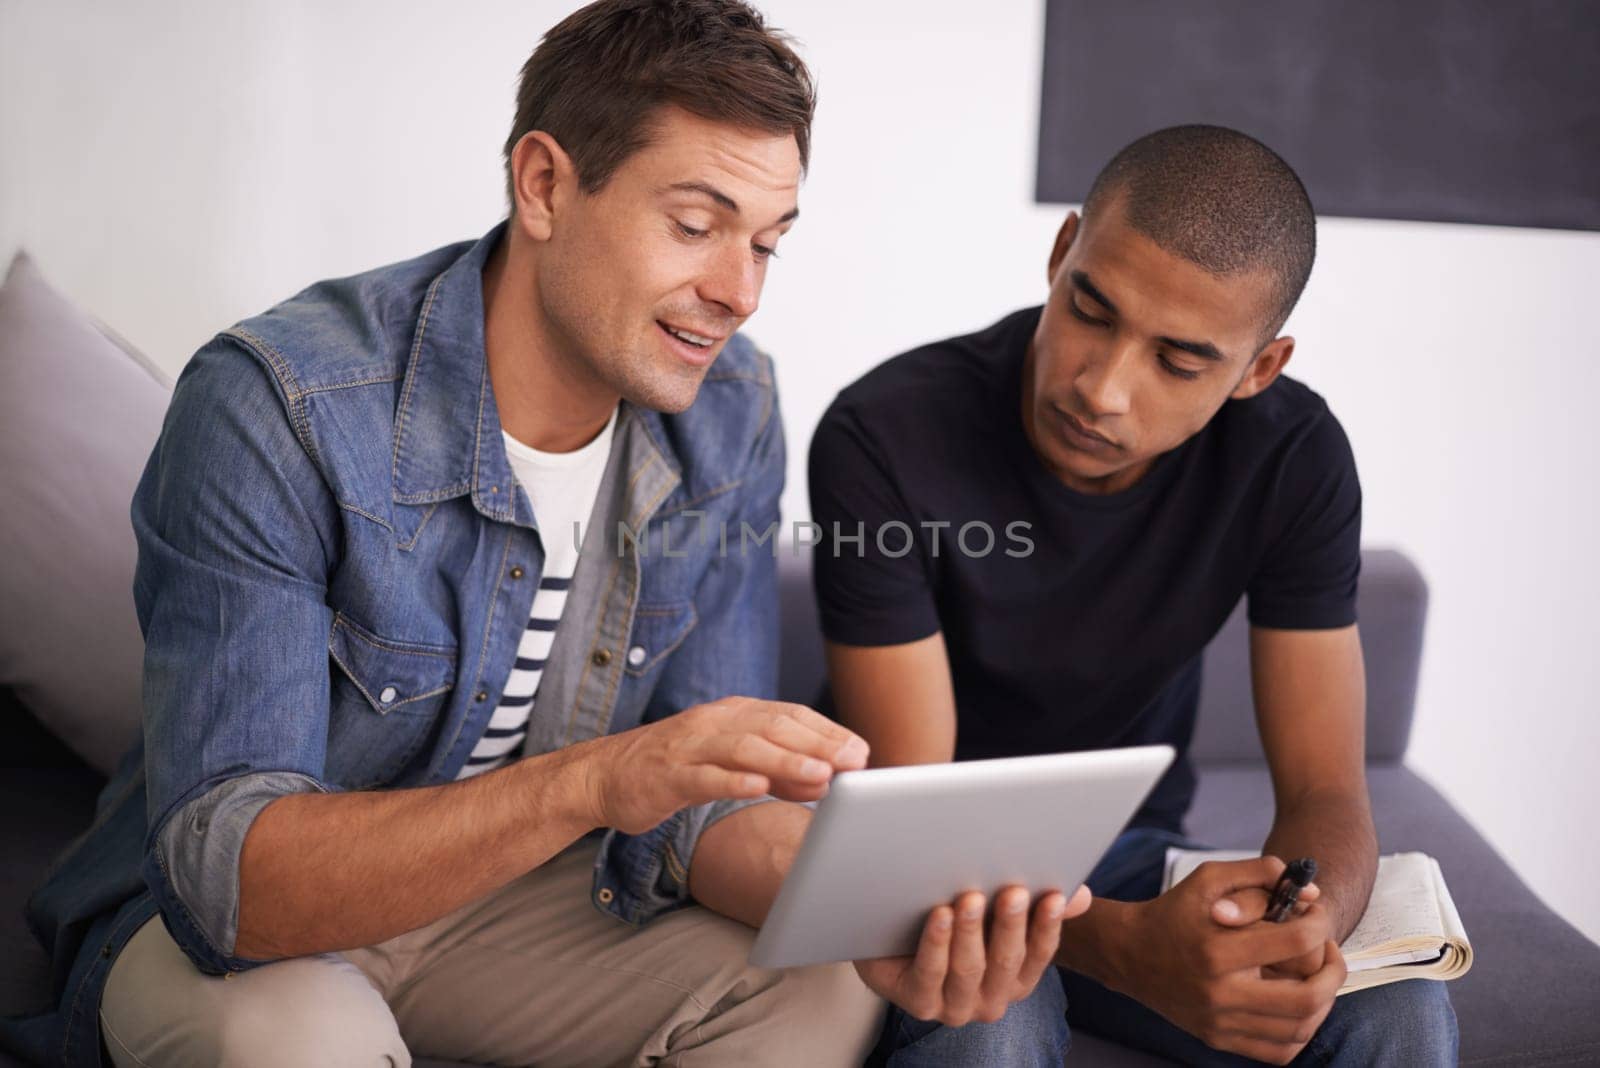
[929, 967]
[808, 731]
[1219, 877]
[1262, 944]
[1251, 904]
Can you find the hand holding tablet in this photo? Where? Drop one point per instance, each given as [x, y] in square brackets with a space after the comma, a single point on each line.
[890, 849]
[958, 976]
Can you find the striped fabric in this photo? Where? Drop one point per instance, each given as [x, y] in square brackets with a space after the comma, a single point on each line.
[561, 488]
[509, 724]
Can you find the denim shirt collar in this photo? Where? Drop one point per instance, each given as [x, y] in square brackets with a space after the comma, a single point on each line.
[447, 427]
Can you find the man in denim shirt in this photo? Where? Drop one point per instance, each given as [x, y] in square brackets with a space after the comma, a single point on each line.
[336, 569]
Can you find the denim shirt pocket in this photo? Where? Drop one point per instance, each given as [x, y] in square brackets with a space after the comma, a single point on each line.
[386, 696]
[658, 629]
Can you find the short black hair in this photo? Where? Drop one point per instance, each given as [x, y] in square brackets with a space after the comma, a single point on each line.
[1221, 200]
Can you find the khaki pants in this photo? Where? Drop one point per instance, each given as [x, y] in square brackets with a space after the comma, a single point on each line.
[530, 974]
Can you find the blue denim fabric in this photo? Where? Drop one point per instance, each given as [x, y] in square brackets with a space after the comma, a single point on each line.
[335, 567]
[1409, 1023]
[1032, 1034]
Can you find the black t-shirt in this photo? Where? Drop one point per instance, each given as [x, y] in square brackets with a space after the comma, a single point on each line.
[1083, 628]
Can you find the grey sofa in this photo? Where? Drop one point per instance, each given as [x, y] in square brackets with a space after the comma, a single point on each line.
[1533, 996]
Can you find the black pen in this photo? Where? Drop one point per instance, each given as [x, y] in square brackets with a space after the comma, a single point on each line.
[1295, 878]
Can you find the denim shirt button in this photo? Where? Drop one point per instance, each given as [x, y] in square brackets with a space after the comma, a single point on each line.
[605, 895]
[636, 655]
[388, 695]
[516, 572]
[601, 657]
[481, 696]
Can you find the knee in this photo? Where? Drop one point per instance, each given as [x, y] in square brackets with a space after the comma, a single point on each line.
[1032, 1032]
[818, 1014]
[833, 993]
[1045, 1009]
[1410, 1023]
[158, 1009]
[324, 1014]
[1422, 1023]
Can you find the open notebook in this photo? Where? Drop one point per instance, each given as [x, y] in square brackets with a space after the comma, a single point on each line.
[1411, 929]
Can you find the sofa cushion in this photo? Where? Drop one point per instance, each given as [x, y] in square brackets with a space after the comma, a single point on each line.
[43, 806]
[80, 414]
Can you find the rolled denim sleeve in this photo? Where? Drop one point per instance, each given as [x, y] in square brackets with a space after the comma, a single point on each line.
[235, 529]
[197, 851]
[732, 650]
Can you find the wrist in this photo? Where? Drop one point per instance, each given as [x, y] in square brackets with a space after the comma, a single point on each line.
[570, 789]
[1104, 943]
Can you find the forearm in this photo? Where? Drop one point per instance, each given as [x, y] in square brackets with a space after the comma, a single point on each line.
[897, 697]
[741, 860]
[1336, 829]
[323, 872]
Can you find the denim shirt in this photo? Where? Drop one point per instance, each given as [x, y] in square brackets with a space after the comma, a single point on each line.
[335, 567]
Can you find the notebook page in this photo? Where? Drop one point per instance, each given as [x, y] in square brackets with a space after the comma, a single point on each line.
[1181, 863]
[1404, 904]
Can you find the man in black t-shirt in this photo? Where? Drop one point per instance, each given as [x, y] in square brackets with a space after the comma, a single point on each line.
[1031, 533]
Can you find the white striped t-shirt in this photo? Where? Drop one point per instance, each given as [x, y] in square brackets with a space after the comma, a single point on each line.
[561, 487]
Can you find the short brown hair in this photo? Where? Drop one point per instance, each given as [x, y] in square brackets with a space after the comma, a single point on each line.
[597, 79]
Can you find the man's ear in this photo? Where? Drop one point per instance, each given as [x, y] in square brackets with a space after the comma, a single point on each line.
[1058, 252]
[542, 176]
[1264, 369]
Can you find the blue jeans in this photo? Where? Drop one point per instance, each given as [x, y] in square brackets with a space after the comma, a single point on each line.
[1408, 1024]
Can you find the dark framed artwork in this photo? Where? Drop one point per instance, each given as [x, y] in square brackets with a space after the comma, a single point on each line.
[1443, 110]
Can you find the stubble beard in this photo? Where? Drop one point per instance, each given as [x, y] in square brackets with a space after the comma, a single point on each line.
[642, 380]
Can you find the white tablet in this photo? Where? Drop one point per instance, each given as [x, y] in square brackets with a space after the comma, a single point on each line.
[887, 845]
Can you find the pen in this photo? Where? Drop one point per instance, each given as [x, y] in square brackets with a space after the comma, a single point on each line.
[1294, 879]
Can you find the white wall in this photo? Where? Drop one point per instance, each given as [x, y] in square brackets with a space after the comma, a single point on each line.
[177, 165]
